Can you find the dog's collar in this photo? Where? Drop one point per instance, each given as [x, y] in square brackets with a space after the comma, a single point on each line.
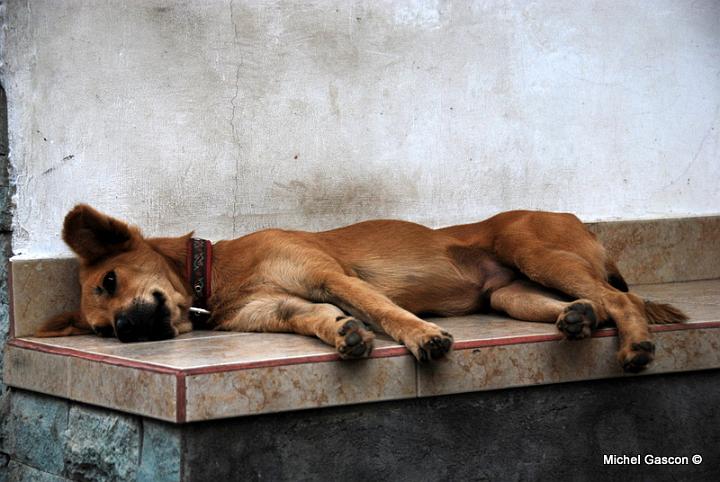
[198, 266]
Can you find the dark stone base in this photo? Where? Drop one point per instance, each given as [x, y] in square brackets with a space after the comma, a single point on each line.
[554, 432]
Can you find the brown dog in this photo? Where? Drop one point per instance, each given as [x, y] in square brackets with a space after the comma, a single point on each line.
[535, 266]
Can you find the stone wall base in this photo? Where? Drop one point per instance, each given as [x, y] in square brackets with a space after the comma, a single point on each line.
[558, 432]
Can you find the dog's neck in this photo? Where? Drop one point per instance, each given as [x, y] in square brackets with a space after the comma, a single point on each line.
[175, 251]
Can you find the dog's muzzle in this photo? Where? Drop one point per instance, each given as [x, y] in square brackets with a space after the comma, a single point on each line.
[145, 321]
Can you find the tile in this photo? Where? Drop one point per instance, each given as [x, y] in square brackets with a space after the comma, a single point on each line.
[685, 350]
[663, 250]
[42, 288]
[130, 390]
[494, 367]
[294, 387]
[206, 348]
[87, 343]
[491, 327]
[36, 371]
[696, 292]
[700, 300]
[251, 347]
[107, 346]
[506, 366]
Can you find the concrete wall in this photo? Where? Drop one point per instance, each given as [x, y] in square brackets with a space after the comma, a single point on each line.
[229, 116]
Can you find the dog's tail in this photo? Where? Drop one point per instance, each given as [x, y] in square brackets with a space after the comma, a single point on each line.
[662, 313]
[657, 313]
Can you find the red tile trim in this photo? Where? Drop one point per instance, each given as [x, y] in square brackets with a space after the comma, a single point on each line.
[180, 398]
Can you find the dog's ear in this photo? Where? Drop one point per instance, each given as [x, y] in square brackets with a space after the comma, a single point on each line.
[94, 235]
[65, 324]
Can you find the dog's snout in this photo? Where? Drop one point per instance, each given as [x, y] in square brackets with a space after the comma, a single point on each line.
[144, 321]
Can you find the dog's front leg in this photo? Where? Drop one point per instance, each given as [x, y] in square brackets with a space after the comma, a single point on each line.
[425, 340]
[285, 313]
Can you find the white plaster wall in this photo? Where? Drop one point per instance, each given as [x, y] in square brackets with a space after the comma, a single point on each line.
[230, 116]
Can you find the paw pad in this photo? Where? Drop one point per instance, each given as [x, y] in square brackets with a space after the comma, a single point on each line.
[639, 357]
[356, 341]
[436, 347]
[577, 320]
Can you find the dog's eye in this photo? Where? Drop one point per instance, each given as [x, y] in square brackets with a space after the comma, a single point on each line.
[109, 283]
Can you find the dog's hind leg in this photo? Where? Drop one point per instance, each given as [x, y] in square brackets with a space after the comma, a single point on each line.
[571, 274]
[425, 340]
[284, 313]
[525, 300]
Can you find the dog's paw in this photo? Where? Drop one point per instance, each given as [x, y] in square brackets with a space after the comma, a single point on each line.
[637, 356]
[353, 339]
[433, 343]
[577, 320]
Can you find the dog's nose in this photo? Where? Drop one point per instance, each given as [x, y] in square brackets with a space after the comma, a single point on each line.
[124, 328]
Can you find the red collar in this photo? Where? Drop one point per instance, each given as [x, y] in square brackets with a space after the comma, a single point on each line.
[198, 269]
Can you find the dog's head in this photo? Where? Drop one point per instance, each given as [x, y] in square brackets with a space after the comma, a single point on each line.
[132, 286]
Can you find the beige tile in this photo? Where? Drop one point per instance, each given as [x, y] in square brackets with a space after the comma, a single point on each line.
[504, 366]
[42, 288]
[696, 292]
[275, 389]
[248, 348]
[110, 346]
[492, 327]
[207, 348]
[36, 371]
[685, 350]
[700, 300]
[123, 388]
[663, 250]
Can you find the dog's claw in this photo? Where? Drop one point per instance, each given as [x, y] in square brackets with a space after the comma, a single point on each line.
[434, 347]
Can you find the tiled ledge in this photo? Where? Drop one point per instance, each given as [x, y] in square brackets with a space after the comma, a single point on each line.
[210, 375]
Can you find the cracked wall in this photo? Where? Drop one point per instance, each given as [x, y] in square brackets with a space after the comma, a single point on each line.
[230, 116]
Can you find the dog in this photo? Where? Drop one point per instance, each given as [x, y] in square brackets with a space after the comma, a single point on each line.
[342, 285]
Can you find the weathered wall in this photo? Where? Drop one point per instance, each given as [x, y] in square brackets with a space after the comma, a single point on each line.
[229, 116]
[5, 235]
[5, 252]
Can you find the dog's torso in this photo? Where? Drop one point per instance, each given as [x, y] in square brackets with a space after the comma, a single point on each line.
[422, 270]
